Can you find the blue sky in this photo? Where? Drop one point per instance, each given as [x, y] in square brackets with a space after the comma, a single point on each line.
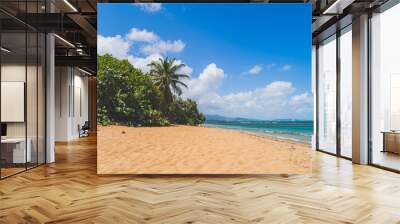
[245, 60]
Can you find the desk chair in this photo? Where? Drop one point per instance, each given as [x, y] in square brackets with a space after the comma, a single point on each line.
[84, 130]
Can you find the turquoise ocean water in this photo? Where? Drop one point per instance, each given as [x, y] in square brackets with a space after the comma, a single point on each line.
[297, 130]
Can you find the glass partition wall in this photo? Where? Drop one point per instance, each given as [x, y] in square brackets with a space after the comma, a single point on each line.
[385, 89]
[327, 95]
[13, 86]
[334, 105]
[22, 98]
[334, 95]
[345, 108]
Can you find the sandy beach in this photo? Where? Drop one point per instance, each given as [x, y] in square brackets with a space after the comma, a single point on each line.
[196, 150]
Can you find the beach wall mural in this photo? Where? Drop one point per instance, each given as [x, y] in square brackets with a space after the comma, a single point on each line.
[204, 88]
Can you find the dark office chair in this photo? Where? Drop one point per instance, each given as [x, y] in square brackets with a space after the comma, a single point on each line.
[84, 130]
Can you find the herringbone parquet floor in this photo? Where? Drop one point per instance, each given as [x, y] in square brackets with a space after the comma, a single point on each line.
[69, 191]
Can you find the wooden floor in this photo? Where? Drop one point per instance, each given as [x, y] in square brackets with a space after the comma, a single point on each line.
[386, 159]
[69, 191]
[5, 172]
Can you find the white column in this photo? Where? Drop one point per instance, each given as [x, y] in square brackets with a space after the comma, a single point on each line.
[360, 90]
[50, 99]
[63, 99]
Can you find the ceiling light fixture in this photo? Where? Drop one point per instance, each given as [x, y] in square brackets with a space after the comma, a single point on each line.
[5, 50]
[70, 5]
[64, 40]
[337, 7]
[333, 6]
[84, 71]
[79, 51]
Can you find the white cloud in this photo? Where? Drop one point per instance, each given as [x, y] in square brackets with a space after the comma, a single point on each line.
[274, 100]
[119, 47]
[162, 47]
[286, 67]
[150, 44]
[141, 35]
[142, 62]
[116, 45]
[149, 7]
[302, 103]
[304, 98]
[207, 82]
[255, 70]
[185, 69]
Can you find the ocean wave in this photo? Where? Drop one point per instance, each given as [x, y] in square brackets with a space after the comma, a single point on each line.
[280, 134]
[288, 132]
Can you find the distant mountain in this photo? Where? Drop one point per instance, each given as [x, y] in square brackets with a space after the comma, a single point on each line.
[215, 117]
[293, 120]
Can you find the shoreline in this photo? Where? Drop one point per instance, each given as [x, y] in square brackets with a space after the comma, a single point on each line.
[252, 133]
[261, 134]
[181, 149]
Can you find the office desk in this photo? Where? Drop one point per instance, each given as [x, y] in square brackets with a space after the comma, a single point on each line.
[391, 141]
[13, 150]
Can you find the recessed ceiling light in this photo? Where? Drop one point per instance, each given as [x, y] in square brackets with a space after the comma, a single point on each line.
[337, 7]
[70, 5]
[64, 40]
[5, 50]
[86, 72]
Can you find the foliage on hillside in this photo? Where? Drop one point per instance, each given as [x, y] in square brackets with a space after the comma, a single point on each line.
[126, 96]
[184, 112]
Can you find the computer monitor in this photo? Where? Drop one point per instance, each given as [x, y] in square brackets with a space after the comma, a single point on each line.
[3, 129]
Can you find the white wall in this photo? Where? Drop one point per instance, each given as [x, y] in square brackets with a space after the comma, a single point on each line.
[13, 72]
[62, 82]
[80, 94]
[70, 83]
[314, 92]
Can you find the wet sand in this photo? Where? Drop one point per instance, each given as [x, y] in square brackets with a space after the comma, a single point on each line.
[196, 150]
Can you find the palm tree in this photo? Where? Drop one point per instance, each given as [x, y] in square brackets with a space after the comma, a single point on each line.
[166, 76]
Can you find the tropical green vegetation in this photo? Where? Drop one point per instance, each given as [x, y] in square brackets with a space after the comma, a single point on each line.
[165, 76]
[127, 96]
